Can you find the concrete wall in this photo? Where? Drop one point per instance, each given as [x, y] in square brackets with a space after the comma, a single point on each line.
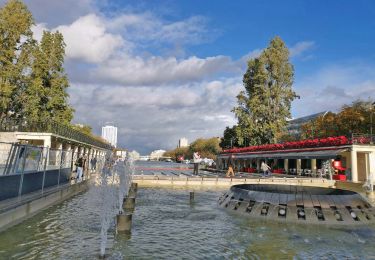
[14, 213]
[8, 137]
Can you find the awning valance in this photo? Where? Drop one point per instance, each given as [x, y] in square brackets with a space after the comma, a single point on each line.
[323, 154]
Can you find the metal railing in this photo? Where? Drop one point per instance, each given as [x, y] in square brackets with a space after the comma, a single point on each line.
[357, 138]
[50, 127]
[27, 168]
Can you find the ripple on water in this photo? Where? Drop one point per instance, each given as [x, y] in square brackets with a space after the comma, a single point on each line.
[167, 226]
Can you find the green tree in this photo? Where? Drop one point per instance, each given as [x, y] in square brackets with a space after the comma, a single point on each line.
[15, 56]
[207, 148]
[229, 138]
[264, 105]
[46, 96]
[85, 129]
[354, 118]
[180, 151]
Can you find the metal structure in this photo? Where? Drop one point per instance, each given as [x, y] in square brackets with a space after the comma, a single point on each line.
[51, 127]
[27, 168]
[299, 204]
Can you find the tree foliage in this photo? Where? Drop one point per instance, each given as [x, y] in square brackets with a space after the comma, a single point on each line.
[229, 138]
[354, 118]
[15, 46]
[207, 148]
[264, 105]
[33, 82]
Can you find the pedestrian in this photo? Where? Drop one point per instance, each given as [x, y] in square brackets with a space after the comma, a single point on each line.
[230, 171]
[265, 168]
[93, 164]
[196, 161]
[79, 164]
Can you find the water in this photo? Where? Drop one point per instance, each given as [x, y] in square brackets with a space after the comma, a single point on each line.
[167, 226]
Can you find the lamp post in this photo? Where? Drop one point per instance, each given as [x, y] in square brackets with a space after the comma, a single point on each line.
[325, 129]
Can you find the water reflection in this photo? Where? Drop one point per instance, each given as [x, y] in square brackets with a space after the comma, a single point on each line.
[167, 226]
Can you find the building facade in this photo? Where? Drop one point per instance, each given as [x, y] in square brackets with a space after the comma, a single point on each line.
[294, 125]
[157, 154]
[183, 142]
[109, 133]
[307, 158]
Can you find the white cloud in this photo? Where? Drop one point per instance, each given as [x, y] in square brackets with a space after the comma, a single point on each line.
[332, 87]
[153, 117]
[38, 30]
[147, 27]
[301, 47]
[136, 70]
[88, 40]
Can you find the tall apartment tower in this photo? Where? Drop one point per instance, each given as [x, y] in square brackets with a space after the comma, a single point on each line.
[109, 133]
[183, 142]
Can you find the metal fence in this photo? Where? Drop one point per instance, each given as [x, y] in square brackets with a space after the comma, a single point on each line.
[357, 138]
[26, 168]
[50, 127]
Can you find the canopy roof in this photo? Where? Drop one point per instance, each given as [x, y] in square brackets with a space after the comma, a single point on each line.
[297, 154]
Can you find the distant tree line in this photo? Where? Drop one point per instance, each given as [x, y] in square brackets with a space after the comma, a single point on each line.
[207, 148]
[33, 83]
[354, 118]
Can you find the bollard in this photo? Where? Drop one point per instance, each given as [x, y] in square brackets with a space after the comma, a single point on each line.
[128, 203]
[134, 186]
[191, 196]
[124, 222]
[132, 193]
[370, 194]
[133, 190]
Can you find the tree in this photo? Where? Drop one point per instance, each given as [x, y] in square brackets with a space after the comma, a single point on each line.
[85, 129]
[15, 45]
[264, 105]
[354, 118]
[176, 153]
[46, 97]
[207, 148]
[33, 83]
[229, 138]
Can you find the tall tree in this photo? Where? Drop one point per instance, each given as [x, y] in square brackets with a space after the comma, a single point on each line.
[46, 97]
[264, 105]
[15, 46]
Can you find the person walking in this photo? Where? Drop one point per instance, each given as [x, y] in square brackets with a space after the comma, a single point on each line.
[79, 164]
[196, 161]
[93, 164]
[265, 168]
[230, 171]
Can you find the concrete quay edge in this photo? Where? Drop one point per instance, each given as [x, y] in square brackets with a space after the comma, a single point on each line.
[155, 181]
[17, 210]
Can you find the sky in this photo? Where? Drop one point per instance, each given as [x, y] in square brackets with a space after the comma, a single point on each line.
[162, 70]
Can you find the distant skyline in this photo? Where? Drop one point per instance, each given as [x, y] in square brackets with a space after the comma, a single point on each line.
[166, 69]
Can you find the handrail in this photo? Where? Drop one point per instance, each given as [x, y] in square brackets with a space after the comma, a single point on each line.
[50, 127]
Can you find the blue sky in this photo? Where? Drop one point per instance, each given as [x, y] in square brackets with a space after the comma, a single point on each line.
[162, 70]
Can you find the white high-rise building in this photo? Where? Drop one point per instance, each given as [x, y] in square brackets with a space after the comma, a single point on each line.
[183, 142]
[109, 133]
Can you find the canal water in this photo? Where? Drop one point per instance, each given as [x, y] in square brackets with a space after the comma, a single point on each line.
[167, 226]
